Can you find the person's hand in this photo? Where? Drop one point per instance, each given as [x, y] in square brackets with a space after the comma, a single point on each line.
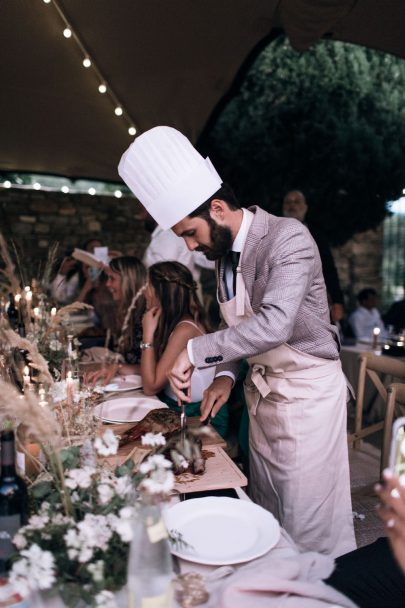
[215, 396]
[180, 376]
[392, 512]
[67, 265]
[106, 374]
[337, 312]
[150, 321]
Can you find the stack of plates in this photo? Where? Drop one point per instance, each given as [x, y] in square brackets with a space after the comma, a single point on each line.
[127, 409]
[124, 383]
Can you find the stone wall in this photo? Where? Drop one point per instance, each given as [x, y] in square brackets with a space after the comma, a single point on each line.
[36, 220]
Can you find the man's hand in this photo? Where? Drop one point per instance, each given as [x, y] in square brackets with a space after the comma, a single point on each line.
[392, 512]
[215, 396]
[180, 376]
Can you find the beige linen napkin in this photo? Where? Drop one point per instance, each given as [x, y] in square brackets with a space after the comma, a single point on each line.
[277, 581]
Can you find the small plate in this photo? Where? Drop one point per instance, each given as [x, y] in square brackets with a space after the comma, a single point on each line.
[221, 530]
[124, 383]
[127, 409]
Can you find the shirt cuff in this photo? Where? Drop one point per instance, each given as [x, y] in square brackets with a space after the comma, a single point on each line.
[226, 373]
[190, 352]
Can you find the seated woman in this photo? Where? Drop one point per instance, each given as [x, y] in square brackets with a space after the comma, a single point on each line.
[174, 316]
[126, 280]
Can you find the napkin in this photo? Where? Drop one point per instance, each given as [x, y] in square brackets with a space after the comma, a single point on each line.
[276, 581]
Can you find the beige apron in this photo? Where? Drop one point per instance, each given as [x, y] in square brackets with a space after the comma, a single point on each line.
[299, 466]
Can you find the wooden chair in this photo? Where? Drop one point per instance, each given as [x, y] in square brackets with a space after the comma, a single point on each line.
[374, 366]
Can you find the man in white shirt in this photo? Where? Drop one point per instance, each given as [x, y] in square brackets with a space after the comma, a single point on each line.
[366, 317]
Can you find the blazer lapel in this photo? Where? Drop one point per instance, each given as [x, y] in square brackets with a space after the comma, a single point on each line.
[219, 271]
[258, 229]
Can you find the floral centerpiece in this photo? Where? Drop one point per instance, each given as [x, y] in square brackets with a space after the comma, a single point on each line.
[76, 541]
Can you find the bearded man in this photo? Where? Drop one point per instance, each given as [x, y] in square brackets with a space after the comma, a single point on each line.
[275, 314]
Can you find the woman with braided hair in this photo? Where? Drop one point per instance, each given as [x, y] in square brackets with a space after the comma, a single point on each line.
[174, 315]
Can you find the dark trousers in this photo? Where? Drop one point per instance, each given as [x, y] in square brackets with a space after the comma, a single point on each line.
[370, 577]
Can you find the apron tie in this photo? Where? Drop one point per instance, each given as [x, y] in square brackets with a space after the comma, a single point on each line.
[240, 293]
[257, 377]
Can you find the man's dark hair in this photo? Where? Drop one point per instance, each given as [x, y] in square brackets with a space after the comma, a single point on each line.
[364, 294]
[225, 193]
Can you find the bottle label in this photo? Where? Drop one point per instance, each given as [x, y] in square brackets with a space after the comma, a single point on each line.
[159, 601]
[157, 531]
[9, 526]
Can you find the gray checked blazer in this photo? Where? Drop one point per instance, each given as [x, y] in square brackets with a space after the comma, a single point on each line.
[282, 271]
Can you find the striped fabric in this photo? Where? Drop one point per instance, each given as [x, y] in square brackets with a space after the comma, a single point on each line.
[282, 271]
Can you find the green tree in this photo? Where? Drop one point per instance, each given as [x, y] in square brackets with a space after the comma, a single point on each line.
[330, 121]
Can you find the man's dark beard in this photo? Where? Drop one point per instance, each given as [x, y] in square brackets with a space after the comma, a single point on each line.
[221, 241]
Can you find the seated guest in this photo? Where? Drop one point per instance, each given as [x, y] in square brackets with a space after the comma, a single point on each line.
[374, 576]
[366, 317]
[126, 280]
[70, 278]
[395, 316]
[174, 315]
[95, 292]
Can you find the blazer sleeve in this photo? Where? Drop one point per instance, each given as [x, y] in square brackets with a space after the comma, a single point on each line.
[284, 275]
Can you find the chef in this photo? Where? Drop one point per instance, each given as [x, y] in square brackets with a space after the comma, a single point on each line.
[275, 313]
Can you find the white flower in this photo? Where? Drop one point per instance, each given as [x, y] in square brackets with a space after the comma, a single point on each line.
[58, 391]
[37, 522]
[123, 485]
[35, 570]
[105, 493]
[157, 461]
[105, 599]
[20, 541]
[153, 439]
[79, 478]
[92, 533]
[107, 445]
[160, 481]
[96, 570]
[122, 525]
[55, 345]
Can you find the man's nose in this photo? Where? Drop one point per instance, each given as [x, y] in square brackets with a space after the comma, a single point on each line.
[191, 243]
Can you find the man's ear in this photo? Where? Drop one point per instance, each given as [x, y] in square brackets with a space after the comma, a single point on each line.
[217, 209]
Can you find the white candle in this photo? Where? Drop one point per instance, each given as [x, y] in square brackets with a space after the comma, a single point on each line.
[69, 388]
[376, 333]
[26, 377]
[53, 312]
[17, 299]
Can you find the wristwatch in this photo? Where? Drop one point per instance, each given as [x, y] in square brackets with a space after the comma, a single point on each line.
[145, 345]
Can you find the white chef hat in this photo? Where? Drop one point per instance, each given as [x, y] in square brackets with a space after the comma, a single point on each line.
[168, 175]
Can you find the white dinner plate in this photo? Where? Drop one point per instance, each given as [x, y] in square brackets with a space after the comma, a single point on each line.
[220, 530]
[127, 409]
[124, 383]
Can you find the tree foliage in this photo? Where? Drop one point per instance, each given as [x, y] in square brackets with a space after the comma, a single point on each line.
[330, 122]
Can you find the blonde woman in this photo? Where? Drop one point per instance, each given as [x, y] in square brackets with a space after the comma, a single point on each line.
[126, 280]
[174, 316]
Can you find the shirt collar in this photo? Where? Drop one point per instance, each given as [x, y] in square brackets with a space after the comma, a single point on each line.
[240, 239]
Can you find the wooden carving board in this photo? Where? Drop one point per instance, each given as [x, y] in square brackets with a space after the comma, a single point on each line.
[220, 472]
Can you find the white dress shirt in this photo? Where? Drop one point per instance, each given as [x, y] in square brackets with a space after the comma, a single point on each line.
[363, 320]
[237, 246]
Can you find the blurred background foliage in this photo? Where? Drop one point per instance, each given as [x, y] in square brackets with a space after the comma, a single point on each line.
[330, 122]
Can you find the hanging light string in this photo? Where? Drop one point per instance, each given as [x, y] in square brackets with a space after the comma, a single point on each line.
[88, 63]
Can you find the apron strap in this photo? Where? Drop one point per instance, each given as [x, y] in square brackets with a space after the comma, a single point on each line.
[257, 377]
[240, 293]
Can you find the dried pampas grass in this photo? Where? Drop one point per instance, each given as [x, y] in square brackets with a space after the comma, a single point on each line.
[36, 360]
[64, 312]
[39, 421]
[12, 283]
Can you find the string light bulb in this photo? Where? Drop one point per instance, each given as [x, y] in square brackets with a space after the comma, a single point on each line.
[67, 32]
[37, 186]
[7, 184]
[47, 1]
[118, 194]
[102, 89]
[92, 191]
[118, 111]
[132, 131]
[65, 189]
[86, 62]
